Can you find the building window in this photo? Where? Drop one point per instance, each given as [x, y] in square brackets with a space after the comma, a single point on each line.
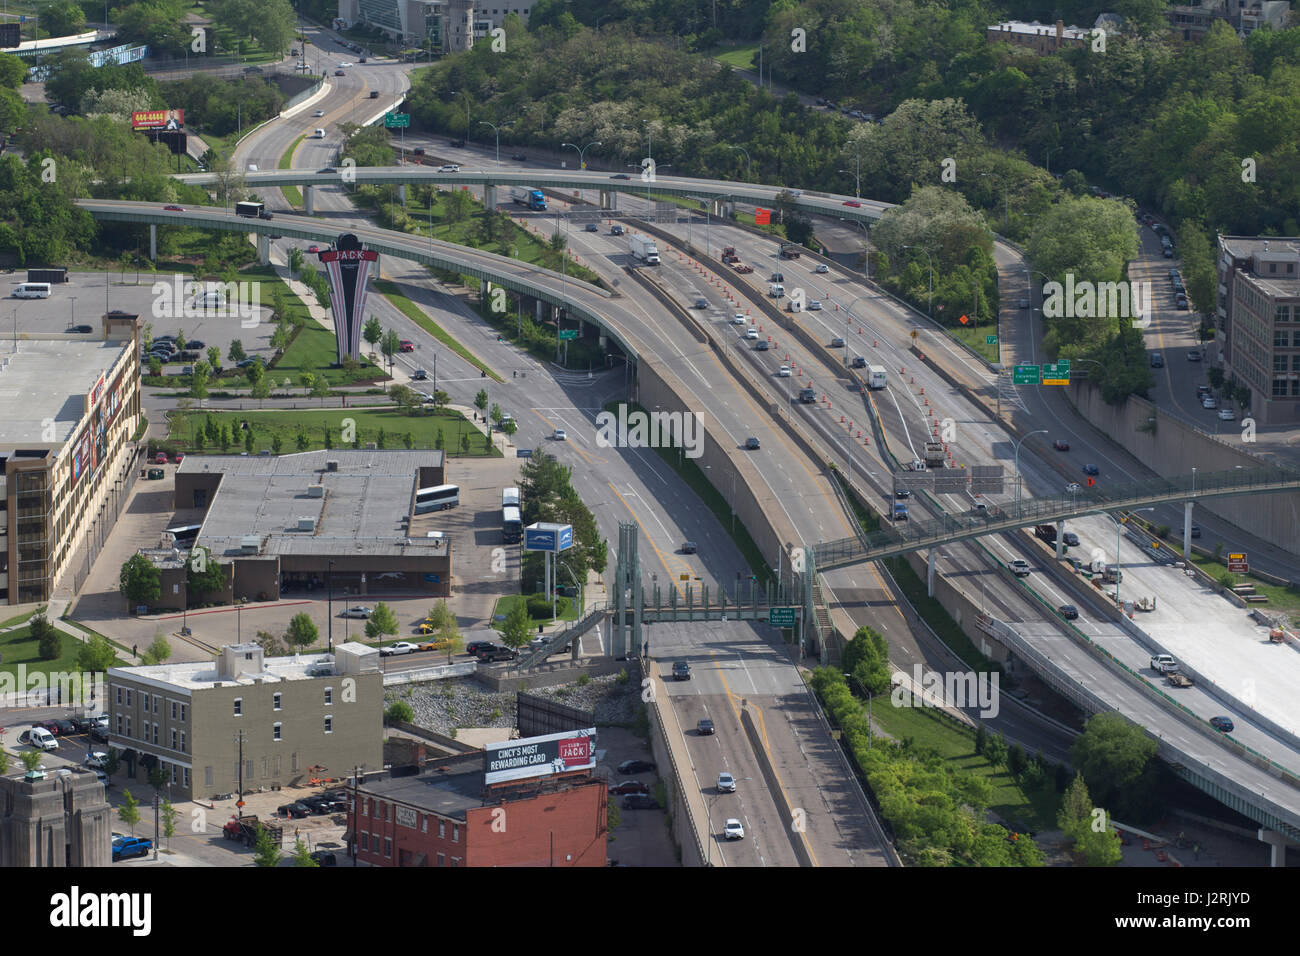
[275, 702]
[424, 823]
[185, 777]
[1279, 390]
[1281, 338]
[157, 699]
[1282, 313]
[329, 724]
[329, 696]
[119, 723]
[119, 695]
[173, 740]
[442, 859]
[128, 697]
[455, 833]
[182, 713]
[173, 710]
[275, 732]
[266, 767]
[155, 733]
[207, 776]
[455, 861]
[442, 829]
[239, 707]
[173, 767]
[365, 840]
[183, 750]
[128, 726]
[1279, 363]
[388, 847]
[1295, 363]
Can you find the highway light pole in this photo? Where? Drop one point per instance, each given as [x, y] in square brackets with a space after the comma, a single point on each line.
[1119, 526]
[930, 260]
[848, 315]
[582, 163]
[749, 166]
[329, 574]
[465, 100]
[857, 175]
[497, 130]
[1041, 431]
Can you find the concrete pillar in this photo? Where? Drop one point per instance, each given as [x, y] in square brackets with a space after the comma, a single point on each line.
[309, 200]
[263, 248]
[539, 312]
[1278, 844]
[1187, 530]
[401, 193]
[490, 197]
[1060, 540]
[482, 288]
[153, 241]
[929, 572]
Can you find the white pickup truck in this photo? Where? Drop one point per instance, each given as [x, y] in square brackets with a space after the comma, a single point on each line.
[1164, 664]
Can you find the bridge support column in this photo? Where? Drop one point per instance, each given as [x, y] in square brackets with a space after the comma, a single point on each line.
[490, 197]
[483, 289]
[929, 572]
[1060, 540]
[153, 241]
[1187, 530]
[263, 249]
[401, 193]
[1276, 841]
[309, 200]
[540, 312]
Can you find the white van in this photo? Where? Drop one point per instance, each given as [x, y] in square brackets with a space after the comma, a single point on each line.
[775, 290]
[42, 739]
[318, 134]
[32, 290]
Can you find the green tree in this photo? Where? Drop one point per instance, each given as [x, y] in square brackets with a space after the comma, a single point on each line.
[495, 414]
[49, 643]
[389, 344]
[236, 353]
[226, 439]
[408, 440]
[200, 441]
[129, 811]
[481, 399]
[204, 574]
[441, 441]
[446, 627]
[112, 762]
[321, 388]
[1116, 759]
[329, 437]
[169, 817]
[510, 427]
[140, 580]
[276, 444]
[464, 442]
[399, 711]
[31, 759]
[866, 657]
[199, 379]
[302, 630]
[295, 263]
[261, 388]
[158, 650]
[214, 357]
[372, 331]
[265, 851]
[96, 655]
[303, 441]
[155, 365]
[381, 621]
[307, 380]
[380, 440]
[516, 629]
[302, 855]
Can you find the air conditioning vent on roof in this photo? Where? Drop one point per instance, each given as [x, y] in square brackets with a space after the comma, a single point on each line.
[315, 491]
[332, 465]
[250, 544]
[306, 524]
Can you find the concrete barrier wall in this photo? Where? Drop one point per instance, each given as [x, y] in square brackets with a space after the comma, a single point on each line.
[1175, 448]
[688, 814]
[797, 838]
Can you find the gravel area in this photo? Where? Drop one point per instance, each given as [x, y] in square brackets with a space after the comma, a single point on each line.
[443, 706]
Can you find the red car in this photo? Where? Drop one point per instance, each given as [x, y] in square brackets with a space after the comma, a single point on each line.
[180, 457]
[173, 208]
[629, 787]
[406, 346]
[854, 203]
[313, 248]
[160, 458]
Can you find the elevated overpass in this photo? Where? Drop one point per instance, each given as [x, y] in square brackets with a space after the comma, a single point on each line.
[904, 537]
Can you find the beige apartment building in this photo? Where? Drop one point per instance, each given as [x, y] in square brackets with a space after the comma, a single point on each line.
[246, 719]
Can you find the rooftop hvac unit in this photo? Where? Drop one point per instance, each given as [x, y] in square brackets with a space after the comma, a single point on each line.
[250, 544]
[315, 491]
[332, 465]
[306, 524]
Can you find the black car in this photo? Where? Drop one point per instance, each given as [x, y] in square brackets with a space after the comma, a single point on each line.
[296, 810]
[494, 653]
[99, 735]
[635, 766]
[82, 724]
[458, 143]
[1222, 724]
[688, 547]
[640, 801]
[681, 670]
[195, 345]
[1070, 539]
[1068, 611]
[473, 647]
[418, 151]
[519, 157]
[325, 858]
[81, 328]
[705, 727]
[62, 727]
[620, 176]
[327, 169]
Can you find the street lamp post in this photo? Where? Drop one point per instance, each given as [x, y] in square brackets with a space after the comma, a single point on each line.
[857, 175]
[1041, 431]
[582, 163]
[848, 314]
[497, 130]
[1119, 526]
[749, 166]
[465, 100]
[329, 575]
[930, 260]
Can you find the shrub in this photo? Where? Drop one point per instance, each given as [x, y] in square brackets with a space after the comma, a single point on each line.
[399, 710]
[584, 680]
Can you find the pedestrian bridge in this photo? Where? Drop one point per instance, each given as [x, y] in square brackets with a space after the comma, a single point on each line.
[906, 536]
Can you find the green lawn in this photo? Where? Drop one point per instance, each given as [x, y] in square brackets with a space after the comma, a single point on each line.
[19, 647]
[292, 194]
[1035, 811]
[418, 316]
[423, 428]
[21, 618]
[506, 604]
[740, 57]
[313, 350]
[1282, 599]
[975, 338]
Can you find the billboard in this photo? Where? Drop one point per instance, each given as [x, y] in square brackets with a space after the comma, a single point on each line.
[539, 756]
[157, 119]
[548, 536]
[348, 266]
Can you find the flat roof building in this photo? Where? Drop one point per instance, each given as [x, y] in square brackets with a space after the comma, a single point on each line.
[282, 715]
[1193, 20]
[1039, 37]
[54, 819]
[1258, 315]
[69, 407]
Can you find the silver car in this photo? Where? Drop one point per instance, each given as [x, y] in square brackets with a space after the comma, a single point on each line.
[726, 783]
[359, 611]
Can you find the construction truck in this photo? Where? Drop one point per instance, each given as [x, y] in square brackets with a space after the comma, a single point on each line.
[789, 250]
[245, 830]
[1112, 575]
[934, 454]
[1179, 679]
[1145, 604]
[729, 254]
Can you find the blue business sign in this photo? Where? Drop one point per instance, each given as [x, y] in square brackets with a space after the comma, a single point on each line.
[548, 536]
[433, 578]
[524, 453]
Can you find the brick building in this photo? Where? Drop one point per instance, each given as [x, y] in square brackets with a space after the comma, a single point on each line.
[54, 819]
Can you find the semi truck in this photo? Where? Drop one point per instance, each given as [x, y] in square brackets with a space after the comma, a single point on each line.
[250, 210]
[934, 454]
[729, 254]
[876, 378]
[644, 248]
[524, 196]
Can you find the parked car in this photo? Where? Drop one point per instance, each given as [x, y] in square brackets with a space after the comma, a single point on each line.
[359, 610]
[296, 810]
[635, 766]
[1194, 355]
[494, 653]
[733, 830]
[1227, 414]
[1209, 402]
[628, 787]
[1222, 724]
[704, 727]
[126, 847]
[1157, 359]
[473, 647]
[681, 670]
[1070, 539]
[61, 727]
[726, 783]
[401, 647]
[96, 760]
[339, 73]
[325, 857]
[640, 801]
[1196, 531]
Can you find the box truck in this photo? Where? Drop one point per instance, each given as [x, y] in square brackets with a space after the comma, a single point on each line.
[876, 376]
[524, 196]
[643, 248]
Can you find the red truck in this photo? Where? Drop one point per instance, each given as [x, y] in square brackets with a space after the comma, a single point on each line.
[245, 829]
[729, 254]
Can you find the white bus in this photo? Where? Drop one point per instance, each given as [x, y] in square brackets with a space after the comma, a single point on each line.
[509, 496]
[32, 290]
[437, 498]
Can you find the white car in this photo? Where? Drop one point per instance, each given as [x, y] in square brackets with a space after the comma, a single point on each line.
[97, 760]
[733, 830]
[726, 783]
[739, 319]
[360, 611]
[1227, 414]
[1020, 568]
[449, 168]
[1073, 488]
[41, 739]
[784, 372]
[814, 306]
[560, 435]
[401, 647]
[344, 66]
[751, 333]
[319, 113]
[822, 269]
[1209, 402]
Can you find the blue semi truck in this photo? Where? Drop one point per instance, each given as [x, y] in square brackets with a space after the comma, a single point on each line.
[532, 198]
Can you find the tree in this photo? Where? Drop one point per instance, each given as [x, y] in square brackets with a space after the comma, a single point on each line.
[441, 441]
[199, 379]
[440, 398]
[866, 657]
[169, 816]
[4, 761]
[295, 263]
[495, 414]
[464, 442]
[248, 441]
[302, 440]
[510, 428]
[302, 855]
[481, 399]
[96, 655]
[261, 390]
[204, 574]
[517, 627]
[158, 651]
[381, 621]
[265, 852]
[271, 645]
[446, 627]
[31, 759]
[63, 18]
[226, 439]
[155, 365]
[139, 580]
[214, 357]
[180, 341]
[307, 380]
[276, 444]
[399, 711]
[372, 331]
[129, 811]
[408, 440]
[381, 439]
[320, 388]
[1116, 759]
[236, 353]
[49, 642]
[302, 630]
[390, 344]
[200, 440]
[112, 762]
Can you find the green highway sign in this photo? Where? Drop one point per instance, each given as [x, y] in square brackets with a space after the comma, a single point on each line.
[1057, 373]
[568, 334]
[397, 120]
[781, 616]
[990, 340]
[1025, 375]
